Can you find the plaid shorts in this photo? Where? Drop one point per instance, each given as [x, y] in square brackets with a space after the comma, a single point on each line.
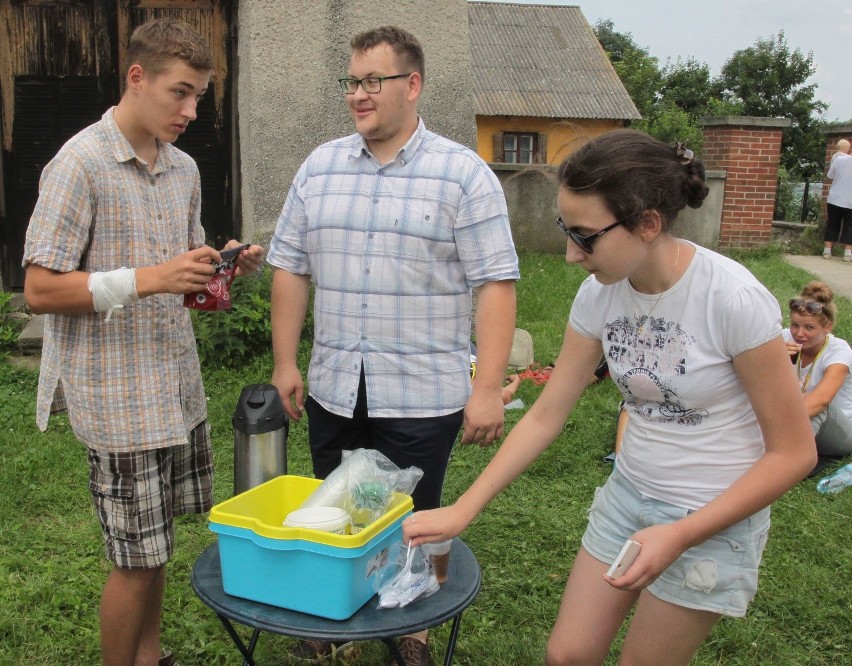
[137, 495]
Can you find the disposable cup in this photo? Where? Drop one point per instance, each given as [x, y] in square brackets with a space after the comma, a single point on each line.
[439, 555]
[322, 518]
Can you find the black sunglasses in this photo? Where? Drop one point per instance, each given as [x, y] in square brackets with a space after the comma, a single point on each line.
[811, 307]
[585, 242]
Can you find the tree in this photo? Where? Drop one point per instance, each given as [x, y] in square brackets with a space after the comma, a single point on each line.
[683, 97]
[668, 99]
[637, 69]
[616, 44]
[764, 80]
[770, 80]
[672, 124]
[686, 85]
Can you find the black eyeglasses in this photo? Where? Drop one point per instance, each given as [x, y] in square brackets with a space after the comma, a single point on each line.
[811, 307]
[370, 84]
[585, 242]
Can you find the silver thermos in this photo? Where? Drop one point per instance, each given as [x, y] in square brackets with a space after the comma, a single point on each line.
[260, 437]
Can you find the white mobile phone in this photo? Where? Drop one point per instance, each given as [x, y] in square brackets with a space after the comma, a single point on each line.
[625, 558]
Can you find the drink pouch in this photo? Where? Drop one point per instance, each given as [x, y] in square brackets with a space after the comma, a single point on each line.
[217, 294]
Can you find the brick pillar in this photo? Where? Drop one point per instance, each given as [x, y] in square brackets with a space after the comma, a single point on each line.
[833, 133]
[748, 149]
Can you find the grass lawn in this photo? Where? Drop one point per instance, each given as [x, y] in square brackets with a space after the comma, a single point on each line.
[52, 566]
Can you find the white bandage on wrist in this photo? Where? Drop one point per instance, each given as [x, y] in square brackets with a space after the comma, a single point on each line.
[113, 290]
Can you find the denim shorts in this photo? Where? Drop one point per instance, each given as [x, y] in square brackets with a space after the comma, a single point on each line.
[719, 575]
[137, 495]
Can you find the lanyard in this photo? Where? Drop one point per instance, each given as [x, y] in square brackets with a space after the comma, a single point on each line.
[811, 368]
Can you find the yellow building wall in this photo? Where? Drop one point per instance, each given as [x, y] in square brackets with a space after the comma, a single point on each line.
[563, 136]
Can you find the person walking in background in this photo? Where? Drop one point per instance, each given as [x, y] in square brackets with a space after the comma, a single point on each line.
[692, 340]
[838, 224]
[842, 147]
[823, 362]
[118, 346]
[395, 225]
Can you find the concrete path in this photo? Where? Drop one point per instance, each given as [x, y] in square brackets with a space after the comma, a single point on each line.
[835, 272]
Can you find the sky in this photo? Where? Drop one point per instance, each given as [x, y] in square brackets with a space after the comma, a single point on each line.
[711, 31]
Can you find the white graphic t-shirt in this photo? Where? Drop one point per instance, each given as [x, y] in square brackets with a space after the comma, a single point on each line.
[692, 431]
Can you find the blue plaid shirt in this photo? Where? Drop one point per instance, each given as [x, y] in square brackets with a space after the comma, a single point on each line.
[393, 252]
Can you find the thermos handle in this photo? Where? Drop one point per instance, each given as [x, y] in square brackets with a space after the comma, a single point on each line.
[256, 398]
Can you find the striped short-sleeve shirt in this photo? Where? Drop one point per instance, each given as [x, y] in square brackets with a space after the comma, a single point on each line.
[394, 251]
[133, 382]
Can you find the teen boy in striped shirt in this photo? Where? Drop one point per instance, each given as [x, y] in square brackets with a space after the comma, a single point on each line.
[116, 230]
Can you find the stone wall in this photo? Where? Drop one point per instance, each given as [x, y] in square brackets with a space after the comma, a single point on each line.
[290, 55]
[531, 198]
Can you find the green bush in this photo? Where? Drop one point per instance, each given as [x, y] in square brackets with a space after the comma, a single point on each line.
[232, 337]
[788, 200]
[812, 238]
[670, 124]
[10, 325]
[785, 198]
[814, 214]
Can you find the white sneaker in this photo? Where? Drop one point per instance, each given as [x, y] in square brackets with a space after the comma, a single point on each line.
[847, 257]
[826, 255]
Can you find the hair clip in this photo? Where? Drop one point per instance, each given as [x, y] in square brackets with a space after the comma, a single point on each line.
[683, 152]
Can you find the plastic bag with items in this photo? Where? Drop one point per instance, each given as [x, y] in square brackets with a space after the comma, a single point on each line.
[363, 485]
[407, 576]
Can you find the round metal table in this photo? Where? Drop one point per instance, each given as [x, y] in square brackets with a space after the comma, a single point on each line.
[367, 623]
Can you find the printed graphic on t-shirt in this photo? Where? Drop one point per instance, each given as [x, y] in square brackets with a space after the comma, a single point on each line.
[648, 353]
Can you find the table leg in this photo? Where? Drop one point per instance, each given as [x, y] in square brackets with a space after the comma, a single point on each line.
[252, 645]
[451, 646]
[247, 652]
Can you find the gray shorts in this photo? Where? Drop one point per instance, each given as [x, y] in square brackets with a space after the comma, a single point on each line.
[719, 575]
[137, 495]
[832, 431]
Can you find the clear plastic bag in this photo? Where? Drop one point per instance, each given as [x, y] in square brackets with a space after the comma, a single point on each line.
[363, 485]
[407, 577]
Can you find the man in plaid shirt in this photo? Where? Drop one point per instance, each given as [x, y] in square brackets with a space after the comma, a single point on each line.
[395, 225]
[114, 242]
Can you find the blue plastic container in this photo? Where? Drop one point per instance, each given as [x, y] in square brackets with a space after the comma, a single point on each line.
[319, 573]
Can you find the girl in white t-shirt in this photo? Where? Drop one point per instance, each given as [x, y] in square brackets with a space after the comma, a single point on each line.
[693, 342]
[822, 363]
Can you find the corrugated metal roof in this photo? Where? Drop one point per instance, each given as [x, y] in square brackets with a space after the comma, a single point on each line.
[541, 61]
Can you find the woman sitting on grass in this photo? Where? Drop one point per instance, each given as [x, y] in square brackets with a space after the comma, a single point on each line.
[822, 363]
[693, 342]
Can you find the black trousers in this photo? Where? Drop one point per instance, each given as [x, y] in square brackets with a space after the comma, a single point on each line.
[423, 442]
[838, 223]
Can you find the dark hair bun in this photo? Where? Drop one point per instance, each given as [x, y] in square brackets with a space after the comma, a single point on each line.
[694, 188]
[634, 172]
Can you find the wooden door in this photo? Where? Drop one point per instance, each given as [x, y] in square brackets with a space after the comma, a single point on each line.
[55, 79]
[62, 65]
[208, 137]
